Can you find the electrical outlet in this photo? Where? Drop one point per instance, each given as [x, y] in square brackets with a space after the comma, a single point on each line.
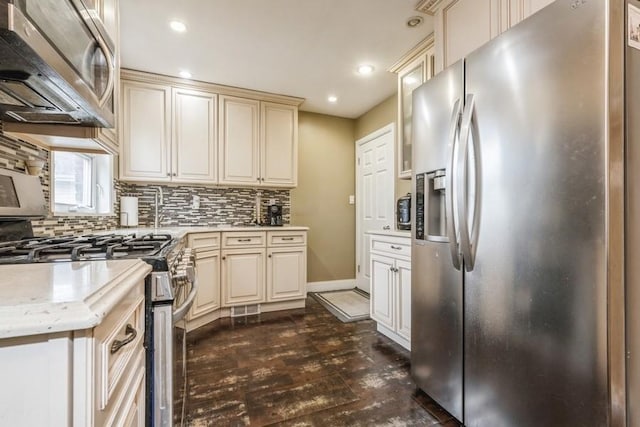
[272, 201]
[195, 202]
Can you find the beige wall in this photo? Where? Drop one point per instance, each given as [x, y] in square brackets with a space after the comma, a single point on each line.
[381, 115]
[326, 178]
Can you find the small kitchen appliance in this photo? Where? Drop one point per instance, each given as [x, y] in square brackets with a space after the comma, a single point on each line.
[403, 213]
[274, 215]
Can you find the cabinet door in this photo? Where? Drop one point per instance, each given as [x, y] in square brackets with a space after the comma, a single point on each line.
[461, 26]
[286, 273]
[239, 141]
[144, 153]
[409, 79]
[194, 136]
[382, 299]
[279, 145]
[243, 272]
[208, 276]
[403, 299]
[521, 9]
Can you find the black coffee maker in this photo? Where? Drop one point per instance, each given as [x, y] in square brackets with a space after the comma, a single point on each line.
[274, 215]
[403, 212]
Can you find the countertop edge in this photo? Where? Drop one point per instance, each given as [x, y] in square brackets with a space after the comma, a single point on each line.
[46, 318]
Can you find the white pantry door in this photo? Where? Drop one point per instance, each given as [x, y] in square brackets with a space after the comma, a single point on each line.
[375, 202]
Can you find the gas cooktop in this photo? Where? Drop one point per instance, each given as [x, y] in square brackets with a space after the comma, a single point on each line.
[85, 248]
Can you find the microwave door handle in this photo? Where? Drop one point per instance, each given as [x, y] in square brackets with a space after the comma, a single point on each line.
[468, 238]
[449, 196]
[110, 65]
[181, 311]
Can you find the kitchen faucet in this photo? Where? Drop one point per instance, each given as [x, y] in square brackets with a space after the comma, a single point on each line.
[157, 203]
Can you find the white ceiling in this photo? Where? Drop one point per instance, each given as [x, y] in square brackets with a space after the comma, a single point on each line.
[304, 48]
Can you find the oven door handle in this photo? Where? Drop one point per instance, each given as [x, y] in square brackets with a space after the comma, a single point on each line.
[180, 312]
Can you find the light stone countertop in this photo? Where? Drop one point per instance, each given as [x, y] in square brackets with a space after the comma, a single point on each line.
[392, 233]
[180, 232]
[63, 296]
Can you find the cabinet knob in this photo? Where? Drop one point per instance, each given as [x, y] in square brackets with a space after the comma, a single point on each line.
[175, 174]
[269, 255]
[168, 174]
[224, 257]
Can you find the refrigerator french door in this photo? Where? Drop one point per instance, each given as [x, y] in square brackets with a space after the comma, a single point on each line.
[514, 153]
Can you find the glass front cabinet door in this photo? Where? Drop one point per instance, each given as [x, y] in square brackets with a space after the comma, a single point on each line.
[415, 68]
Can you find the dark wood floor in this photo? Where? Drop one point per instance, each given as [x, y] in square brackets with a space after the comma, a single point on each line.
[302, 368]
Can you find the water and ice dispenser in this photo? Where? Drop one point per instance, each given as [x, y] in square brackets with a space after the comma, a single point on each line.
[431, 219]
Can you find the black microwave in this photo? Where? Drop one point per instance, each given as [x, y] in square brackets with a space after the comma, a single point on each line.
[58, 64]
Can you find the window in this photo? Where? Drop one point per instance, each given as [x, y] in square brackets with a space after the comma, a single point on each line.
[82, 183]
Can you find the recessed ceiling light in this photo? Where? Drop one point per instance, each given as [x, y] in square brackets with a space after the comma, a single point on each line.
[177, 26]
[333, 99]
[365, 69]
[185, 74]
[414, 21]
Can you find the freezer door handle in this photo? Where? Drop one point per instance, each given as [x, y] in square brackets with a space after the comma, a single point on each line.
[469, 184]
[449, 189]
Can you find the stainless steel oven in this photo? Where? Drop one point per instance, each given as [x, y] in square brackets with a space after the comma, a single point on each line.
[58, 63]
[173, 293]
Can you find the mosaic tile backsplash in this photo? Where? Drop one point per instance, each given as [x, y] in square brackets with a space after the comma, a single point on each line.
[218, 206]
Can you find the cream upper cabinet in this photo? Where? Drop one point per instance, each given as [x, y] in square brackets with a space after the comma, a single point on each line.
[146, 132]
[278, 145]
[521, 9]
[461, 26]
[239, 150]
[174, 130]
[194, 154]
[258, 143]
[168, 134]
[413, 69]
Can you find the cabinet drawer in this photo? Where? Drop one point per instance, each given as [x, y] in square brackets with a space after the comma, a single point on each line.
[117, 339]
[198, 241]
[397, 246]
[286, 238]
[238, 239]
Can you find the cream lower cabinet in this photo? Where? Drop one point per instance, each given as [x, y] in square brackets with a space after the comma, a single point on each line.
[261, 270]
[243, 267]
[391, 287]
[93, 377]
[243, 276]
[206, 247]
[286, 265]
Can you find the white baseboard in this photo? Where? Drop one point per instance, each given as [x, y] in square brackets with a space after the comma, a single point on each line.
[331, 285]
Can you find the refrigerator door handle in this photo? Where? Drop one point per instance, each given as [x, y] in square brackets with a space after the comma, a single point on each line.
[450, 209]
[468, 237]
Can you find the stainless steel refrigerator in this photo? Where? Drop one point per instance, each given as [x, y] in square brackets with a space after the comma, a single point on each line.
[518, 296]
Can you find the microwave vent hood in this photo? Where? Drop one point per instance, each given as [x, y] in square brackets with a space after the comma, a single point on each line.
[29, 95]
[41, 82]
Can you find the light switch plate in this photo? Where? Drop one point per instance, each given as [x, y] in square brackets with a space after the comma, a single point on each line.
[352, 199]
